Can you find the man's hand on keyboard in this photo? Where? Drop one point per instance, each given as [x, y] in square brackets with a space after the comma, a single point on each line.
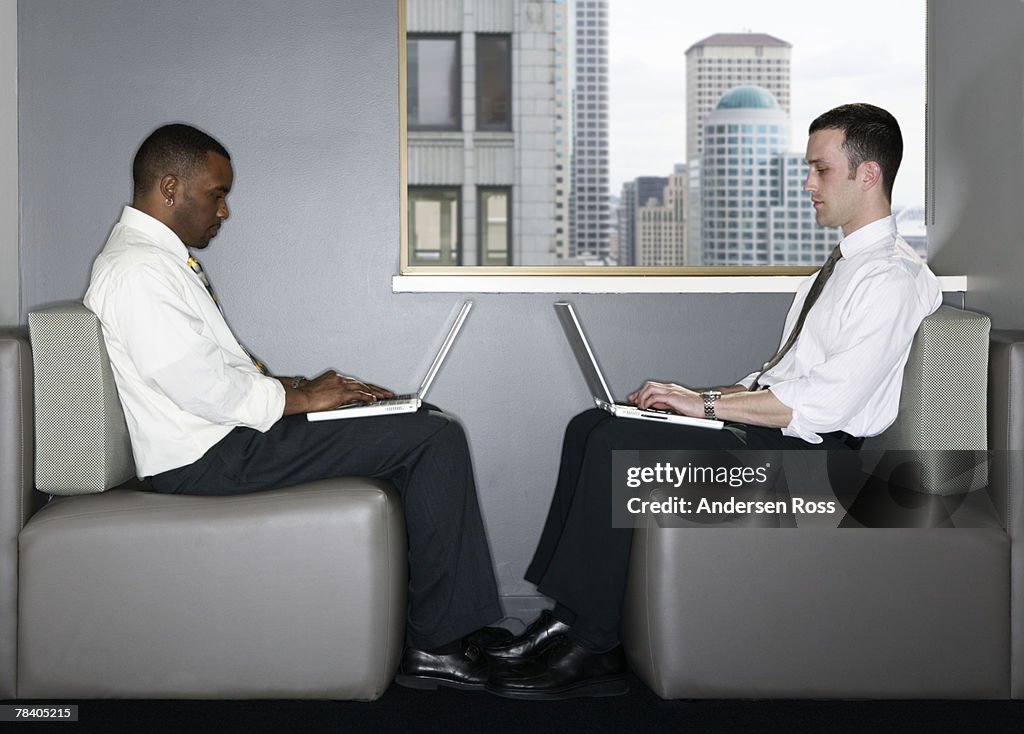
[330, 390]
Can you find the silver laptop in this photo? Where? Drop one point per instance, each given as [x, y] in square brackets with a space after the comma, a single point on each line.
[599, 388]
[400, 403]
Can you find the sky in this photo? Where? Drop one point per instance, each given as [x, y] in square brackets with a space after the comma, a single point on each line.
[868, 51]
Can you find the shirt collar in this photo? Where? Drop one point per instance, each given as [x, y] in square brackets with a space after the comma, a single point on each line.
[161, 235]
[870, 235]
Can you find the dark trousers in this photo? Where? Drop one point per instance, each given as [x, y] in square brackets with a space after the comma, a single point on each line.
[581, 560]
[452, 590]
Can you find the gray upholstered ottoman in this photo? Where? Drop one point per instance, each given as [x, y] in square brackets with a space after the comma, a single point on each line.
[855, 611]
[292, 593]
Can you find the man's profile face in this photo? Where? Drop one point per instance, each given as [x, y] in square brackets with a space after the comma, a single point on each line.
[202, 202]
[836, 196]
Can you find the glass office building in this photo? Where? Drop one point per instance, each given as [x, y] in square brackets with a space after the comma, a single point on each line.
[753, 208]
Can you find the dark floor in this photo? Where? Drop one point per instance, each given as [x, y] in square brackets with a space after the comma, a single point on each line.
[403, 710]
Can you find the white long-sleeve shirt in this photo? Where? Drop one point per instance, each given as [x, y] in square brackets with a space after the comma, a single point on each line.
[845, 371]
[183, 378]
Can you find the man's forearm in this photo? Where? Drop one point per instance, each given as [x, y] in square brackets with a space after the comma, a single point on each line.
[759, 408]
[729, 389]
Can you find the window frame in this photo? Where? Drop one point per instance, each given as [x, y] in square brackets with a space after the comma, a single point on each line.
[454, 37]
[457, 198]
[506, 126]
[785, 273]
[481, 227]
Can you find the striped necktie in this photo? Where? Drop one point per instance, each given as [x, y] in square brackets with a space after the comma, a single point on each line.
[812, 295]
[198, 270]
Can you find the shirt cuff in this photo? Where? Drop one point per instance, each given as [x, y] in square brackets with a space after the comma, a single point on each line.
[787, 393]
[274, 402]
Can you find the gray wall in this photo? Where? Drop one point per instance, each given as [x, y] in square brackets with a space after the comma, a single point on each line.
[977, 99]
[305, 95]
[10, 292]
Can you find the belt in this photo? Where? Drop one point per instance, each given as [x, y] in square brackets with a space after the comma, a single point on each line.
[854, 442]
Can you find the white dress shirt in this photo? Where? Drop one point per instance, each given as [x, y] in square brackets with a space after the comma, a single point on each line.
[845, 371]
[183, 378]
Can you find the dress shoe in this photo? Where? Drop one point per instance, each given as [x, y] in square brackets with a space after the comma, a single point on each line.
[537, 638]
[465, 669]
[488, 637]
[566, 670]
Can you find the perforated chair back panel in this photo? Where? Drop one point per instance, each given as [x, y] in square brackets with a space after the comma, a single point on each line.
[82, 442]
[943, 403]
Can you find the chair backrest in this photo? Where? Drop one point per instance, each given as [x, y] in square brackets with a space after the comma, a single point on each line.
[943, 406]
[82, 442]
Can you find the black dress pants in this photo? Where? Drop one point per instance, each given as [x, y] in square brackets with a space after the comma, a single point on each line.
[581, 560]
[452, 590]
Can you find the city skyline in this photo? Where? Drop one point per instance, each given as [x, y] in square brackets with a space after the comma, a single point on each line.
[876, 55]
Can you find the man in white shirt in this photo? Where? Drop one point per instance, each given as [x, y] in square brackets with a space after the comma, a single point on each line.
[205, 418]
[838, 382]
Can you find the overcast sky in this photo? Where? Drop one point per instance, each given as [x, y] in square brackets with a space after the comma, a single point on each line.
[867, 51]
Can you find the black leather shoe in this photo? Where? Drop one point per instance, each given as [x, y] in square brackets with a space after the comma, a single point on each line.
[466, 669]
[488, 637]
[537, 638]
[567, 670]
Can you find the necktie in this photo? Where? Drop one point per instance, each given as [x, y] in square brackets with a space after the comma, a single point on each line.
[198, 270]
[812, 295]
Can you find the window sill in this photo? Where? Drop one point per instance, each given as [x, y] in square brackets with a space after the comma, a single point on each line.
[618, 284]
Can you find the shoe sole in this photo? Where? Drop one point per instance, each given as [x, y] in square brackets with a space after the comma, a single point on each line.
[427, 683]
[589, 689]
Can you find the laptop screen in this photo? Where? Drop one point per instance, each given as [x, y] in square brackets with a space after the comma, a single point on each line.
[581, 350]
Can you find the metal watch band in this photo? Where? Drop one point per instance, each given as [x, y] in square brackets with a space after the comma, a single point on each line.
[710, 396]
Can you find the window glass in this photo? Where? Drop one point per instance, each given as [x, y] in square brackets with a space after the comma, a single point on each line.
[495, 232]
[432, 78]
[609, 95]
[434, 226]
[493, 82]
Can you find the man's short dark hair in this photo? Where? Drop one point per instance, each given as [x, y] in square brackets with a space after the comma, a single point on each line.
[178, 149]
[871, 134]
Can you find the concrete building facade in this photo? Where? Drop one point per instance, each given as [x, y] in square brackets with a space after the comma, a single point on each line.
[722, 61]
[482, 146]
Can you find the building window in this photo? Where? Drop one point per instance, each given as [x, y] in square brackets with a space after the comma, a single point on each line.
[493, 82]
[494, 206]
[587, 125]
[433, 226]
[433, 79]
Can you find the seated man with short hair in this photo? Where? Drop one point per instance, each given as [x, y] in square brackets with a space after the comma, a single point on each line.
[835, 380]
[205, 418]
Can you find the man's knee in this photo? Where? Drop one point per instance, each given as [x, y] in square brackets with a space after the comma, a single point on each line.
[585, 422]
[447, 431]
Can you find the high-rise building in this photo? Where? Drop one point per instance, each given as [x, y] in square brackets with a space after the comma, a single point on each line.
[589, 208]
[726, 60]
[753, 207]
[482, 112]
[661, 224]
[563, 121]
[636, 193]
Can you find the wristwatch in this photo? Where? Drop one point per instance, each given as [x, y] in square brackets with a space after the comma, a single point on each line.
[710, 396]
[297, 381]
